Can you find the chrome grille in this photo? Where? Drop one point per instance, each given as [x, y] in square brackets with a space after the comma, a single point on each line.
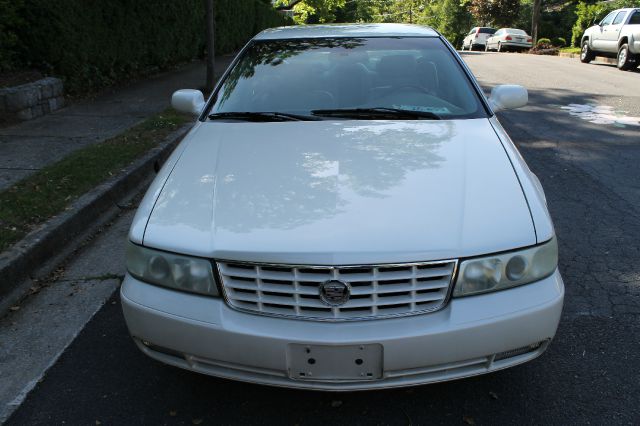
[375, 290]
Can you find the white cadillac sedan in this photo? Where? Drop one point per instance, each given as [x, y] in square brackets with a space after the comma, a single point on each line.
[347, 213]
[509, 39]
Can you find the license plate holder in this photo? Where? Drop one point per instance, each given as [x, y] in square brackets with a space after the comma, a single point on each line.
[334, 363]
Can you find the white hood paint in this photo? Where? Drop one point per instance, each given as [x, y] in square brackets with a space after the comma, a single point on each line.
[341, 192]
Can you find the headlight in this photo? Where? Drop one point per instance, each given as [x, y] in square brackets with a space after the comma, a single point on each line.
[506, 270]
[170, 270]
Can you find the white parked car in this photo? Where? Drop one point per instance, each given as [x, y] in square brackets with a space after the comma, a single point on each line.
[347, 213]
[617, 35]
[477, 38]
[509, 39]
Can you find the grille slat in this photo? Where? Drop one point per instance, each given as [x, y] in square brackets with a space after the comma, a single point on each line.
[275, 288]
[377, 290]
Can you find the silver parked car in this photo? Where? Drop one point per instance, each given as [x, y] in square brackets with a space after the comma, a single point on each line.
[617, 35]
[347, 213]
[509, 39]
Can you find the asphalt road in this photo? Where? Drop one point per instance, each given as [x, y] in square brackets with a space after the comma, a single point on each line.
[590, 374]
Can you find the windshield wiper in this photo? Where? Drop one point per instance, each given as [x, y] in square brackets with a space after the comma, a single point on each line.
[406, 114]
[262, 116]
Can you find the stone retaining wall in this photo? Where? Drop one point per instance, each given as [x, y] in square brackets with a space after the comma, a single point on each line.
[32, 100]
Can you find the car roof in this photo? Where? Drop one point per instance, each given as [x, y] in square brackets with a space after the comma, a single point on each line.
[624, 9]
[347, 30]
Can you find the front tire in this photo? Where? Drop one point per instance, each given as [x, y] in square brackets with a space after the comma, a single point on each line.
[626, 60]
[586, 54]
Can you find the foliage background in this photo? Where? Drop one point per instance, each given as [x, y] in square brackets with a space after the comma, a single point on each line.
[93, 43]
[454, 18]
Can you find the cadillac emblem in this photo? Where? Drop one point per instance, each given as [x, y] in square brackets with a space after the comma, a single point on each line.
[334, 292]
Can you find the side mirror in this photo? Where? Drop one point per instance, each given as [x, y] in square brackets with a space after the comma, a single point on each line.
[188, 100]
[508, 96]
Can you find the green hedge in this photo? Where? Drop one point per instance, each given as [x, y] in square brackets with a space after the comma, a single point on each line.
[543, 40]
[559, 42]
[92, 43]
[9, 21]
[238, 21]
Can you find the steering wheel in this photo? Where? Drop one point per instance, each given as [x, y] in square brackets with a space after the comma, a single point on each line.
[328, 95]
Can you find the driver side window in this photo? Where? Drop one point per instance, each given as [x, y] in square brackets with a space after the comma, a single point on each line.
[607, 20]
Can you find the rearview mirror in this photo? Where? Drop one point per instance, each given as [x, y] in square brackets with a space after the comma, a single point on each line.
[188, 100]
[508, 96]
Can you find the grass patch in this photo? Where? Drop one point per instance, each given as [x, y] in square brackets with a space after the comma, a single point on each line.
[570, 50]
[51, 190]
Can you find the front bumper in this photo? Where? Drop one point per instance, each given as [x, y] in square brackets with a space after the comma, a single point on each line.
[470, 336]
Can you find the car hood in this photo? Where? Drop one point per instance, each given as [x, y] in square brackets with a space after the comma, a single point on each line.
[341, 192]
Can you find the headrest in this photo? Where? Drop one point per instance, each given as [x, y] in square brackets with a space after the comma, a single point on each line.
[397, 65]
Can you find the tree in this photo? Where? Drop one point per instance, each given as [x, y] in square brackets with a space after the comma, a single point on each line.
[283, 5]
[312, 11]
[210, 31]
[367, 10]
[499, 13]
[450, 17]
[535, 19]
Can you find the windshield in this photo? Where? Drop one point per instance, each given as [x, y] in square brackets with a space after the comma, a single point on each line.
[300, 76]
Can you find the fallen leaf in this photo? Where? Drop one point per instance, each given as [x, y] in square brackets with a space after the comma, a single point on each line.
[14, 308]
[196, 421]
[98, 422]
[468, 420]
[336, 403]
[173, 413]
[493, 395]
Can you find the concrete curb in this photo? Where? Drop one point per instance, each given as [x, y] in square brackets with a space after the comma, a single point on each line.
[604, 59]
[40, 251]
[569, 55]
